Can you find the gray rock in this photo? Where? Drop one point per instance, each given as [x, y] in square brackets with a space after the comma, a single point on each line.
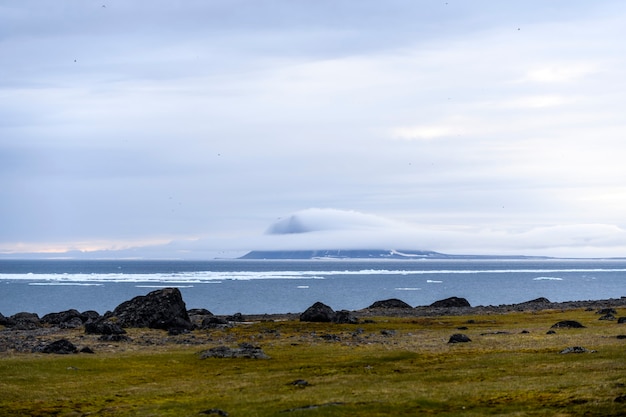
[345, 317]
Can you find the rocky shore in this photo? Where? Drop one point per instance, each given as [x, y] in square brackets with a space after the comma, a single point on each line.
[165, 310]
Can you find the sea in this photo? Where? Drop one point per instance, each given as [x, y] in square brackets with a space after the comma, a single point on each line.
[290, 286]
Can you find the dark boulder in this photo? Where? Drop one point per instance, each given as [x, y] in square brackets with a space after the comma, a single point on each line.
[390, 303]
[608, 316]
[621, 320]
[567, 324]
[459, 338]
[89, 315]
[61, 347]
[605, 311]
[25, 321]
[160, 309]
[345, 317]
[62, 317]
[103, 327]
[318, 312]
[451, 302]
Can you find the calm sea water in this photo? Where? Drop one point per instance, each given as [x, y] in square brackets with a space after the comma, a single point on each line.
[255, 287]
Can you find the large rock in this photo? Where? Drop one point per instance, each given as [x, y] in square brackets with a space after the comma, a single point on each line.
[451, 302]
[25, 321]
[160, 309]
[390, 303]
[459, 338]
[318, 312]
[245, 350]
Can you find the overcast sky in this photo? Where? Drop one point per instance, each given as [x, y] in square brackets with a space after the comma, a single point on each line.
[457, 126]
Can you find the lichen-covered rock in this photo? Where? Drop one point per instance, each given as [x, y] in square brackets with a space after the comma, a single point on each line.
[160, 309]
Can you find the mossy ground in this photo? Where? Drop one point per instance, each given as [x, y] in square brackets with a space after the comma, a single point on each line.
[393, 366]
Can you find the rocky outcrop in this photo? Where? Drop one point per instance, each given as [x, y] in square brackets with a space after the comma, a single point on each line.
[160, 309]
[345, 317]
[318, 312]
[451, 302]
[24, 321]
[390, 303]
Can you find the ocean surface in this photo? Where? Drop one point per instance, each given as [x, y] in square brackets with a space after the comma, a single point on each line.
[279, 286]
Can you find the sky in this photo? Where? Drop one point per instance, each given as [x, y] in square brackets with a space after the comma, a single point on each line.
[203, 128]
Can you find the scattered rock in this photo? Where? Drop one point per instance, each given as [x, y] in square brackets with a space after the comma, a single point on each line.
[540, 300]
[386, 332]
[576, 349]
[621, 320]
[160, 309]
[607, 316]
[567, 324]
[87, 349]
[605, 311]
[300, 383]
[621, 336]
[215, 412]
[390, 303]
[459, 338]
[620, 399]
[61, 347]
[550, 332]
[318, 312]
[245, 350]
[451, 302]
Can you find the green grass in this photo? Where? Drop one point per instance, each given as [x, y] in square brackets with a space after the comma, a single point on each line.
[412, 372]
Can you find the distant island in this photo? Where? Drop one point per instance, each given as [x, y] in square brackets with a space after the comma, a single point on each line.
[369, 254]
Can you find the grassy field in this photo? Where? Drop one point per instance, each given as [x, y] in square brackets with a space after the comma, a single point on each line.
[391, 367]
